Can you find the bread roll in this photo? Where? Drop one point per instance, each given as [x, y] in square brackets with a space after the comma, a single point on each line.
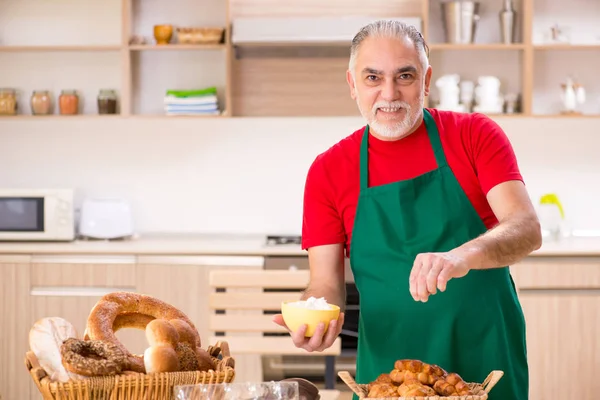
[161, 358]
[186, 332]
[46, 337]
[160, 331]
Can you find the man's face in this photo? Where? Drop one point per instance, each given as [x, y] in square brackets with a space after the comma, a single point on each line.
[389, 85]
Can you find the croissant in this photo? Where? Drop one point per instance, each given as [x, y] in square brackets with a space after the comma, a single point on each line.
[382, 390]
[452, 385]
[384, 378]
[425, 373]
[413, 388]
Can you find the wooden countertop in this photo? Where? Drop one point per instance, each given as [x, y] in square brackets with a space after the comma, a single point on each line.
[228, 245]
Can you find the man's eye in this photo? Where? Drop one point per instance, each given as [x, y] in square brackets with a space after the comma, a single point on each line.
[405, 76]
[371, 78]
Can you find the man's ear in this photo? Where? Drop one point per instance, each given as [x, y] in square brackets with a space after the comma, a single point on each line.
[350, 81]
[428, 80]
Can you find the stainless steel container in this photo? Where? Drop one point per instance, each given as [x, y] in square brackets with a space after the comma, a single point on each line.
[460, 19]
[507, 23]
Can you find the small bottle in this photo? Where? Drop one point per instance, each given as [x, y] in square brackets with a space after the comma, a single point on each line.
[8, 101]
[41, 104]
[68, 102]
[107, 101]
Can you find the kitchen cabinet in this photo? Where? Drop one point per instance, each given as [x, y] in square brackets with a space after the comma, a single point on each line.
[15, 320]
[560, 297]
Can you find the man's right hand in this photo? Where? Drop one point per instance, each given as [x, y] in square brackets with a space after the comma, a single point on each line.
[319, 341]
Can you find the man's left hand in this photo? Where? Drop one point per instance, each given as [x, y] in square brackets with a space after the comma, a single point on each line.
[432, 271]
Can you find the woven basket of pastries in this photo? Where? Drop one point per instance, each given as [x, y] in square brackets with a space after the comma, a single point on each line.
[97, 365]
[199, 35]
[416, 380]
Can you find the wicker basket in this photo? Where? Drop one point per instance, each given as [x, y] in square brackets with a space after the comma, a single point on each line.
[199, 35]
[131, 385]
[480, 390]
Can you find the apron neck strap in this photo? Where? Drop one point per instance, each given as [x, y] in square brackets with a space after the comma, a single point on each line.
[434, 139]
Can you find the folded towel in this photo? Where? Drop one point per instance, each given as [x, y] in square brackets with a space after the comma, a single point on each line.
[209, 91]
[171, 113]
[206, 107]
[190, 100]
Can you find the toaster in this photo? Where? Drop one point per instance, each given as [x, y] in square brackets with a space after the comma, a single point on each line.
[105, 218]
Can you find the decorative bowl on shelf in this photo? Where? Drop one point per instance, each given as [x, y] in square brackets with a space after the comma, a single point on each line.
[199, 35]
[163, 33]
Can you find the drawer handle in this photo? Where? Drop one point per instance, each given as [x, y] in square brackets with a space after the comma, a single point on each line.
[77, 291]
[310, 366]
[559, 291]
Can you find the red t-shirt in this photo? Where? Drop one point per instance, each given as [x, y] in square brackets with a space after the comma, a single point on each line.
[476, 148]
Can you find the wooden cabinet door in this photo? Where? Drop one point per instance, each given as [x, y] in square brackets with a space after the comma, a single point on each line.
[16, 321]
[563, 343]
[560, 297]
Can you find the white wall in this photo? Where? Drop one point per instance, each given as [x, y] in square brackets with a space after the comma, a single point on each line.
[247, 175]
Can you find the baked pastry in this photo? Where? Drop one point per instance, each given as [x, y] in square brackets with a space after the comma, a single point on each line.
[425, 373]
[136, 309]
[161, 334]
[452, 385]
[414, 378]
[92, 357]
[45, 340]
[414, 388]
[383, 390]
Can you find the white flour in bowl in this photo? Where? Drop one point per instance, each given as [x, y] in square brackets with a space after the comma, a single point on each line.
[312, 303]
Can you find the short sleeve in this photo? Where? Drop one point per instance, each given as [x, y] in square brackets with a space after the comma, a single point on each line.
[494, 158]
[321, 221]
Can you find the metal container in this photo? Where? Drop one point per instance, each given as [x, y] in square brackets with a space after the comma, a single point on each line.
[507, 23]
[460, 19]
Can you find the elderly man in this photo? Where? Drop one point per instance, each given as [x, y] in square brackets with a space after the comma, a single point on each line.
[431, 208]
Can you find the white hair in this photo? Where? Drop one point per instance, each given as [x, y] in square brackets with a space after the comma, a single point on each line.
[390, 29]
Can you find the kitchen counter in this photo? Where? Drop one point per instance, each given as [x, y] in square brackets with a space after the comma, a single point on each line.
[160, 244]
[242, 245]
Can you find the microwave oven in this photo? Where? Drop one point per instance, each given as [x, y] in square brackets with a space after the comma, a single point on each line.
[37, 215]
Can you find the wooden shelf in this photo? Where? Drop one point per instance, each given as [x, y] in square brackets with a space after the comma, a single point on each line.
[283, 75]
[59, 48]
[476, 46]
[559, 46]
[170, 47]
[58, 116]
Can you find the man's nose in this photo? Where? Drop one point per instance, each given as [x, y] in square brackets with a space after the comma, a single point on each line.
[389, 90]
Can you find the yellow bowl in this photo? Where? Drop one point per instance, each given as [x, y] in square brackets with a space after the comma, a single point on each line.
[295, 317]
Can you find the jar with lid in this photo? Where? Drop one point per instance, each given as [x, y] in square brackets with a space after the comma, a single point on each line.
[107, 101]
[41, 103]
[8, 101]
[68, 102]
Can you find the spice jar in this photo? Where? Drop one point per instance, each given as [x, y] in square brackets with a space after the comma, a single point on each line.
[107, 102]
[68, 102]
[8, 102]
[41, 104]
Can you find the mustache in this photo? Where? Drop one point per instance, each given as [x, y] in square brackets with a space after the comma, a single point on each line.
[393, 104]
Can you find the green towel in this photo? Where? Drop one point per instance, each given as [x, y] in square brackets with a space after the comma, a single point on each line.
[210, 91]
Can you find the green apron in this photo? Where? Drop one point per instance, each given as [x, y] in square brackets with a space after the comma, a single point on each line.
[472, 328]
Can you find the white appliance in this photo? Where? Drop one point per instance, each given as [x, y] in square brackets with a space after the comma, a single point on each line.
[105, 218]
[36, 214]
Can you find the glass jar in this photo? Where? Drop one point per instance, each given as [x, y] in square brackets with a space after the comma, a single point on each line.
[8, 101]
[68, 102]
[41, 103]
[107, 101]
